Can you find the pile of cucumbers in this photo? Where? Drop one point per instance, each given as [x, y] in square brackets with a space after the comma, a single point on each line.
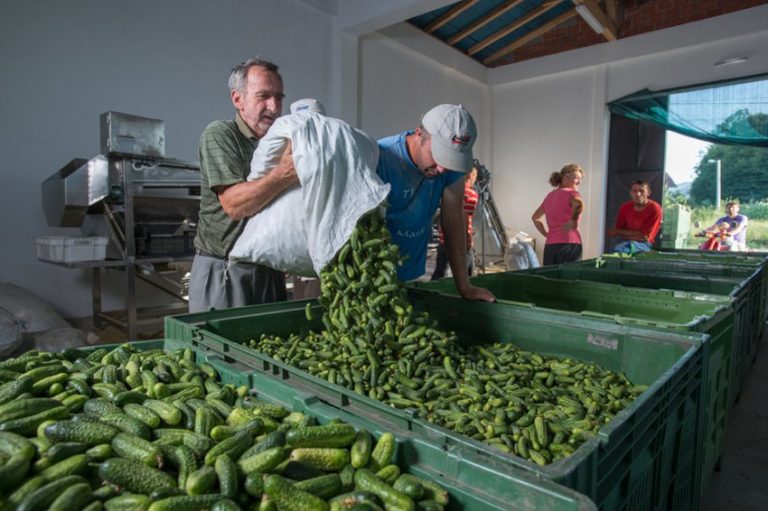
[373, 342]
[121, 429]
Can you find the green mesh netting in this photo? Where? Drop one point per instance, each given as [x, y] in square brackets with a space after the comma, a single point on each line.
[733, 112]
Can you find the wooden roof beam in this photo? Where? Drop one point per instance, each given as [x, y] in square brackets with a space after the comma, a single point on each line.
[483, 21]
[448, 16]
[612, 10]
[522, 41]
[610, 29]
[538, 11]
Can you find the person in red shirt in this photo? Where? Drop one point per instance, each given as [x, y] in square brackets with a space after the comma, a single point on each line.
[638, 221]
[470, 204]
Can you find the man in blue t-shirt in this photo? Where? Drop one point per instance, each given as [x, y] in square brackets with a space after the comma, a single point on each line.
[425, 168]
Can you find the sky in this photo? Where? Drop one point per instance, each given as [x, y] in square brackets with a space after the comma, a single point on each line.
[683, 154]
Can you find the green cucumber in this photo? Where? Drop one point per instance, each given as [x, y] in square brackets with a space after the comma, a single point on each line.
[234, 447]
[382, 454]
[44, 496]
[201, 481]
[326, 486]
[328, 435]
[74, 465]
[360, 452]
[128, 502]
[76, 496]
[134, 476]
[135, 448]
[288, 498]
[26, 407]
[393, 499]
[226, 471]
[264, 461]
[169, 413]
[410, 486]
[327, 459]
[27, 426]
[91, 433]
[142, 413]
[186, 503]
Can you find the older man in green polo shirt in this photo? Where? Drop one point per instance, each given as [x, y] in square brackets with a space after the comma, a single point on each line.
[227, 199]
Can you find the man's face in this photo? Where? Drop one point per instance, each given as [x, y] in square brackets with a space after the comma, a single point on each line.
[732, 210]
[262, 100]
[423, 157]
[639, 194]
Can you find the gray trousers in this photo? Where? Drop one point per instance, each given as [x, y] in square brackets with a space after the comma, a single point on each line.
[218, 283]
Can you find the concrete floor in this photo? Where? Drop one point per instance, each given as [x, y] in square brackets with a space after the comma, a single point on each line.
[742, 482]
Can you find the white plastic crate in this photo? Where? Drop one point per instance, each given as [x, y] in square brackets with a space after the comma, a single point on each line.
[67, 249]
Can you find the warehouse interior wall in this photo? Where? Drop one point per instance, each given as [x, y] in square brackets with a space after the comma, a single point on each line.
[64, 63]
[398, 86]
[551, 111]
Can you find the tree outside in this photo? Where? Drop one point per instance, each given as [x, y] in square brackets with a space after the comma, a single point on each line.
[744, 177]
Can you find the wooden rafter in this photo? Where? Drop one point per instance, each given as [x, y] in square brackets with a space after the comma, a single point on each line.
[610, 29]
[546, 6]
[612, 10]
[448, 16]
[530, 36]
[511, 4]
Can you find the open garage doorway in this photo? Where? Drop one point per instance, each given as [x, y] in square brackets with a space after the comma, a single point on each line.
[703, 150]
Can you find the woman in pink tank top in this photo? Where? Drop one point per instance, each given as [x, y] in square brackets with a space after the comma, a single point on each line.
[561, 209]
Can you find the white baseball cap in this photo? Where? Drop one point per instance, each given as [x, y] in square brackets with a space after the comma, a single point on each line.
[307, 105]
[453, 134]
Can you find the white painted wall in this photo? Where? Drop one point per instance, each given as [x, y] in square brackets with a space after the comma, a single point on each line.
[551, 111]
[64, 63]
[399, 85]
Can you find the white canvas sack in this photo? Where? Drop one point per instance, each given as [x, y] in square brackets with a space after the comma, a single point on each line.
[303, 228]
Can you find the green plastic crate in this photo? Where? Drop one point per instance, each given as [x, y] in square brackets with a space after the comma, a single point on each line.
[643, 459]
[741, 259]
[751, 269]
[745, 301]
[666, 309]
[471, 484]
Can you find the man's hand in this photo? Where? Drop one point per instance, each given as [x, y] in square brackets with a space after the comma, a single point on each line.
[477, 293]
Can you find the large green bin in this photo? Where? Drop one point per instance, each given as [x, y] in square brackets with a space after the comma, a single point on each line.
[644, 459]
[745, 301]
[665, 309]
[471, 484]
[750, 268]
[741, 259]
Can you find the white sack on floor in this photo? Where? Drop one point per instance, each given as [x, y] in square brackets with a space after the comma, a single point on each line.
[22, 311]
[301, 230]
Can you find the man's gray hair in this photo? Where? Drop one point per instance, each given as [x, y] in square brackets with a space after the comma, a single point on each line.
[240, 71]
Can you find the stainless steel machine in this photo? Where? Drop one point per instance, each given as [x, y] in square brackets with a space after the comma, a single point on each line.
[145, 203]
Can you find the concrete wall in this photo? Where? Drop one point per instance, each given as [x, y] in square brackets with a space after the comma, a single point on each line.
[64, 63]
[398, 85]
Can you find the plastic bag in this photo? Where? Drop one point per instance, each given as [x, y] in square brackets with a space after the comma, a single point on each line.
[11, 329]
[57, 339]
[302, 229]
[35, 313]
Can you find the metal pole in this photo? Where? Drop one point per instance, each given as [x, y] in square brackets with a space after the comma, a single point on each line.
[717, 188]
